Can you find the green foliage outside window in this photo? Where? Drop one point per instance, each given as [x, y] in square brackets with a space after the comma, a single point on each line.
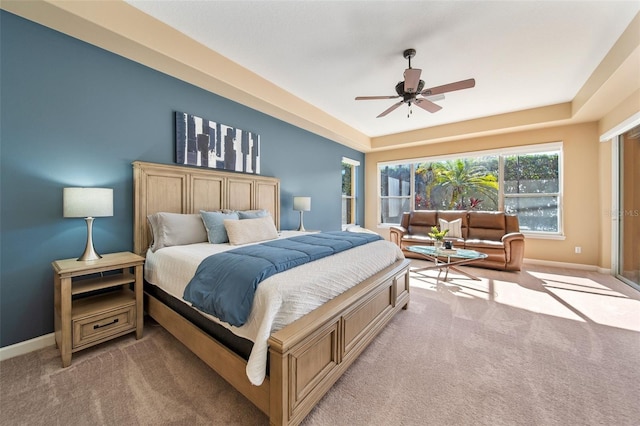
[527, 174]
[346, 179]
[461, 184]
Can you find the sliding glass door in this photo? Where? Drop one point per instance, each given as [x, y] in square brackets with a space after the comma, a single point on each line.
[628, 212]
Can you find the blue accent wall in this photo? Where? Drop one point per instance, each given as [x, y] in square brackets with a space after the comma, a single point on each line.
[72, 114]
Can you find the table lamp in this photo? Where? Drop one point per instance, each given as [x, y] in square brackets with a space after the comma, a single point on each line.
[302, 204]
[88, 203]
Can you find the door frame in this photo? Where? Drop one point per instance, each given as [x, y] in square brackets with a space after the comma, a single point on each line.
[614, 136]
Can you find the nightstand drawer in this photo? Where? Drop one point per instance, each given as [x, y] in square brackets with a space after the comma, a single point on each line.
[104, 325]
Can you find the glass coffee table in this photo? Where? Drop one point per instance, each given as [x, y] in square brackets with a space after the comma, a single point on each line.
[444, 259]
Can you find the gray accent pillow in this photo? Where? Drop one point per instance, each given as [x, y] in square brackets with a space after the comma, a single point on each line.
[176, 229]
[214, 222]
[252, 214]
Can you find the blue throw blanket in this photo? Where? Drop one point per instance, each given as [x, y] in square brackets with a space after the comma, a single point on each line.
[225, 283]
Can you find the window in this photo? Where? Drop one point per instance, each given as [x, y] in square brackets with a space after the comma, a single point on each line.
[525, 181]
[349, 191]
[395, 197]
[531, 189]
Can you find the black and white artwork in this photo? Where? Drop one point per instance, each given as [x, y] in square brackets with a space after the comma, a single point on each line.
[205, 143]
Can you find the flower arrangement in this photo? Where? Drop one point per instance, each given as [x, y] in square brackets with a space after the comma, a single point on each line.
[437, 234]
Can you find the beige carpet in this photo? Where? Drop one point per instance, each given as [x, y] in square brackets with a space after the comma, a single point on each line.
[542, 347]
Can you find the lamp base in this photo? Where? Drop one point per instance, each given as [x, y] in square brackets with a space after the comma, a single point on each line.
[89, 252]
[301, 227]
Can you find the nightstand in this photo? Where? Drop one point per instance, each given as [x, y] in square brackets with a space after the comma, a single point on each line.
[93, 301]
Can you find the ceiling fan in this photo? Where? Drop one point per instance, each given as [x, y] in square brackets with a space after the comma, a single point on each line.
[412, 86]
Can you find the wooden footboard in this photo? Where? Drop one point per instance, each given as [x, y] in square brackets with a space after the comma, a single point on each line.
[307, 356]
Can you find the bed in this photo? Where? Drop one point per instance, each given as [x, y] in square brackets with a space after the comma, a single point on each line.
[305, 357]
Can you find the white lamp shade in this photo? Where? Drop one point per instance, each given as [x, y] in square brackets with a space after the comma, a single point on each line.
[302, 204]
[87, 202]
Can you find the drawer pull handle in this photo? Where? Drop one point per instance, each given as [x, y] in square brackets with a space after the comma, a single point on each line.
[97, 326]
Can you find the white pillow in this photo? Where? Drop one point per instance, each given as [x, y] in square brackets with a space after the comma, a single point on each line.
[454, 227]
[250, 230]
[358, 228]
[176, 229]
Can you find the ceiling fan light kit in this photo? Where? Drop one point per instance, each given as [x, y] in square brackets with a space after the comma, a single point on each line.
[412, 86]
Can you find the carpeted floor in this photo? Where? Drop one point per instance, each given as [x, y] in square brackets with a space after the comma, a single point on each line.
[540, 347]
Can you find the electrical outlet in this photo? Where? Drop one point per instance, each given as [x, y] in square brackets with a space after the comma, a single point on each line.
[578, 249]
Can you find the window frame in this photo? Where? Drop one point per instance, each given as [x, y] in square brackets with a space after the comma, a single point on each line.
[354, 164]
[501, 154]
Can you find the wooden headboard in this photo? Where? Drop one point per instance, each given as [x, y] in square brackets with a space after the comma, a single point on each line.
[183, 189]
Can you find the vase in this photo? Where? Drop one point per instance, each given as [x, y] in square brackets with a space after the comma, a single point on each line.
[438, 245]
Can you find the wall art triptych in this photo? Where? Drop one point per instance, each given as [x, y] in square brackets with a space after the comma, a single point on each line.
[205, 143]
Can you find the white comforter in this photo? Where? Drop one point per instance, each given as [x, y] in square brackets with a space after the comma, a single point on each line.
[280, 299]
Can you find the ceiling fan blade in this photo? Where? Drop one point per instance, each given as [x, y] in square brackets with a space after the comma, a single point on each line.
[435, 98]
[370, 98]
[411, 79]
[427, 105]
[458, 85]
[391, 108]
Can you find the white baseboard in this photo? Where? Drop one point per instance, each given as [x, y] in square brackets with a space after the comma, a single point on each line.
[580, 266]
[27, 346]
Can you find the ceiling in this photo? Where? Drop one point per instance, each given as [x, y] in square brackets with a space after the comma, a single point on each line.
[536, 63]
[523, 55]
